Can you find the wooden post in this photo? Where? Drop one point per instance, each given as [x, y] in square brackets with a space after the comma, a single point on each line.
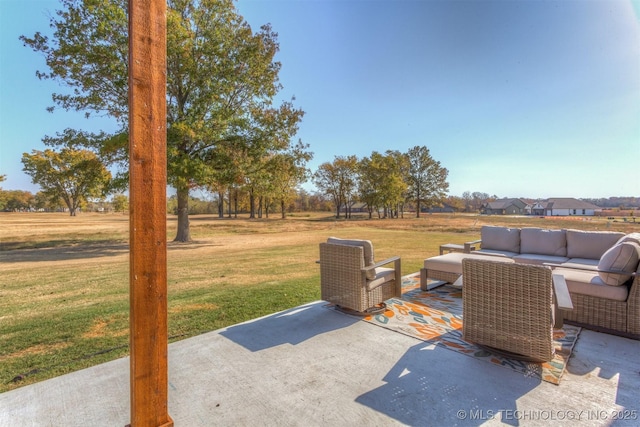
[148, 205]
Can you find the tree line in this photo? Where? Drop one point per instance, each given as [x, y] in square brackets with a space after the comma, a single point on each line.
[225, 131]
[383, 183]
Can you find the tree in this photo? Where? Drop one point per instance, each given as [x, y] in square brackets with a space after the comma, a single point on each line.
[287, 172]
[221, 81]
[120, 203]
[16, 200]
[457, 203]
[381, 182]
[72, 175]
[339, 181]
[368, 181]
[395, 167]
[427, 179]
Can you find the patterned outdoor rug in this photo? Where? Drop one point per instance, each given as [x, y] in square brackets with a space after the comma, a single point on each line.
[436, 316]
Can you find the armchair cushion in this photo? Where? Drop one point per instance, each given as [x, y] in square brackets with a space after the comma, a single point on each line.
[382, 276]
[500, 238]
[367, 248]
[622, 257]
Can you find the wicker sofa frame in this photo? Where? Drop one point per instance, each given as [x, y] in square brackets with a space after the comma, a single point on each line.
[614, 317]
[605, 315]
[600, 314]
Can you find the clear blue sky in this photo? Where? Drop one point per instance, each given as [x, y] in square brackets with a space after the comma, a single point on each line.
[515, 98]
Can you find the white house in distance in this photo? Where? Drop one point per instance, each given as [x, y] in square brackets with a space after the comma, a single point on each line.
[566, 206]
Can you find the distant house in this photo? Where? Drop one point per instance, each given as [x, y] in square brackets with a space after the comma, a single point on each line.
[355, 207]
[445, 208]
[504, 207]
[568, 206]
[539, 208]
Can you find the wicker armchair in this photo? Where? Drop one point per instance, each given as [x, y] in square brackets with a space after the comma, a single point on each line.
[350, 279]
[510, 308]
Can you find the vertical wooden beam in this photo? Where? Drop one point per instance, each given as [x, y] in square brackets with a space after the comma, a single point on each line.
[148, 205]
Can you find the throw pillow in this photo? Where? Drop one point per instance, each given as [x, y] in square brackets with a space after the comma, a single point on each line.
[622, 257]
[631, 237]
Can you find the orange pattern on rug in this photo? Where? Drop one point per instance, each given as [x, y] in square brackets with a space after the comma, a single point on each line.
[436, 316]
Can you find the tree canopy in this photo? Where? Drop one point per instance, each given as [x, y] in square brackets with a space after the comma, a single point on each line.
[427, 179]
[339, 180]
[222, 81]
[70, 175]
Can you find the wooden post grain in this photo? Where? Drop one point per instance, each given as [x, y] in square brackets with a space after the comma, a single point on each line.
[147, 225]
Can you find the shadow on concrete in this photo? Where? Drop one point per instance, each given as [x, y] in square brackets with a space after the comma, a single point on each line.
[288, 327]
[593, 358]
[436, 386]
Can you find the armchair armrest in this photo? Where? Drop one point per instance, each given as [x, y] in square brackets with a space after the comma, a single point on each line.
[561, 292]
[469, 245]
[561, 299]
[394, 259]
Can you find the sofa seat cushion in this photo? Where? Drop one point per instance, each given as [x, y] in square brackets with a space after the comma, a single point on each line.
[623, 257]
[452, 262]
[541, 241]
[584, 263]
[589, 283]
[538, 259]
[493, 252]
[500, 238]
[590, 244]
[382, 276]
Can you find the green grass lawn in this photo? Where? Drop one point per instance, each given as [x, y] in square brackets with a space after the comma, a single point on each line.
[64, 282]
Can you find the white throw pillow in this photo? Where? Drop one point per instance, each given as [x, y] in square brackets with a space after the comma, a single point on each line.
[622, 257]
[631, 237]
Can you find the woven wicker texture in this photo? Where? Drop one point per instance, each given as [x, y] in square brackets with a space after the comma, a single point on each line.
[508, 307]
[343, 280]
[442, 275]
[617, 317]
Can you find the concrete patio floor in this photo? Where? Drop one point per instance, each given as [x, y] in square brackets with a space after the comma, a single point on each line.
[315, 366]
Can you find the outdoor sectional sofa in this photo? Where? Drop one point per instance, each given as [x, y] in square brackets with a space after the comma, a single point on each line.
[601, 270]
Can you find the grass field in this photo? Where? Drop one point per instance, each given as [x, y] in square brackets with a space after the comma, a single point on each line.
[64, 281]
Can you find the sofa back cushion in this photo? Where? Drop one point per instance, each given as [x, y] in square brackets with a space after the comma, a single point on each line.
[500, 238]
[590, 244]
[367, 248]
[622, 257]
[543, 242]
